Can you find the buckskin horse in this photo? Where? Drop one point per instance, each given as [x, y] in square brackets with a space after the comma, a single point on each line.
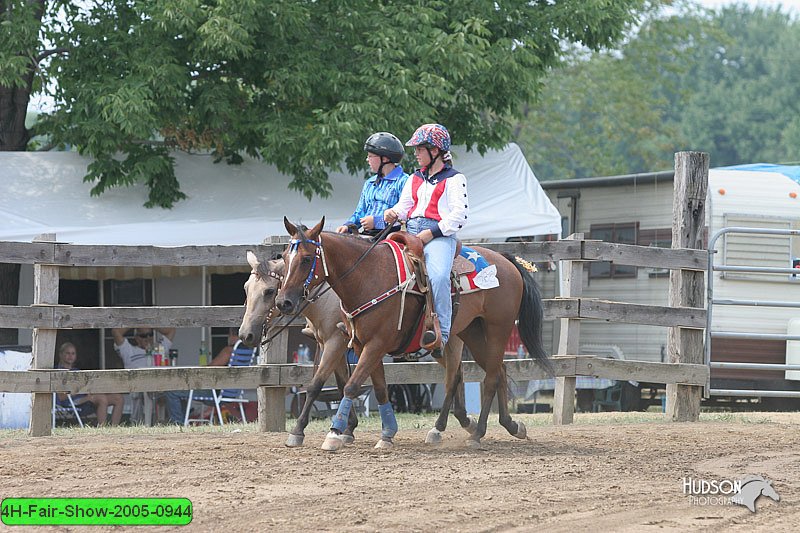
[363, 276]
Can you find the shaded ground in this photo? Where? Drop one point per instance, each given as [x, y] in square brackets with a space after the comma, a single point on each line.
[594, 475]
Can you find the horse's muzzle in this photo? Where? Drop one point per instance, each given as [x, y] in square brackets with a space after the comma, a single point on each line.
[285, 306]
[248, 339]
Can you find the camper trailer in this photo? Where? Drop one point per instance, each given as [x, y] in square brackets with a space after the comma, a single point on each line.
[637, 209]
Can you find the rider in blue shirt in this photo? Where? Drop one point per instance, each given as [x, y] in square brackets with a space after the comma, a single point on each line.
[382, 190]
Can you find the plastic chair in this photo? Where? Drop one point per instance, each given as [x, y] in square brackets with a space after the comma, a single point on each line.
[610, 397]
[240, 356]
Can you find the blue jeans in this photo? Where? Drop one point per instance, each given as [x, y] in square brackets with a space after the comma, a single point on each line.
[175, 400]
[439, 262]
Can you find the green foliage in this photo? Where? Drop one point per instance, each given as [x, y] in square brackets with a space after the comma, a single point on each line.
[745, 105]
[724, 82]
[299, 83]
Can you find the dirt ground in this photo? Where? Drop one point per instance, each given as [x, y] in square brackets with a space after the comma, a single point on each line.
[594, 475]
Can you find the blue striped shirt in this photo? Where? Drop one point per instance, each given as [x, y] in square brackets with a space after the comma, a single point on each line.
[375, 199]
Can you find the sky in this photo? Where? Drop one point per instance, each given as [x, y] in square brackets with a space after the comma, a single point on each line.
[789, 6]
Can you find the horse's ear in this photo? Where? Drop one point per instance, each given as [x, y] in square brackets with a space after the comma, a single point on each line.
[277, 266]
[316, 230]
[291, 228]
[252, 259]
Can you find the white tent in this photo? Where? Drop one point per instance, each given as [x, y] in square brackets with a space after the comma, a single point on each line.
[44, 192]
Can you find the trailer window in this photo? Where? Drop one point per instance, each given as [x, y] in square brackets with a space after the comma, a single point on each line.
[623, 233]
[757, 250]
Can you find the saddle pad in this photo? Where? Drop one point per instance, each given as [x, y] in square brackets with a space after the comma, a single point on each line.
[483, 277]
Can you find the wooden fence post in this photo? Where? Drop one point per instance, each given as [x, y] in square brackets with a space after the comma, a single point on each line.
[687, 287]
[272, 400]
[45, 291]
[569, 339]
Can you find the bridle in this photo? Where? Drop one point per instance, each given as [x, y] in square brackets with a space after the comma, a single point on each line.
[272, 312]
[319, 254]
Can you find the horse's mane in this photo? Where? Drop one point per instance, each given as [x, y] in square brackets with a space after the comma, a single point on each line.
[364, 243]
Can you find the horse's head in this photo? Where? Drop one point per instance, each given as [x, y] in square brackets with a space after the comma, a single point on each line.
[304, 265]
[769, 491]
[260, 288]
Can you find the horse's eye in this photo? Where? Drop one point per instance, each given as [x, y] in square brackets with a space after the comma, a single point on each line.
[269, 293]
[306, 260]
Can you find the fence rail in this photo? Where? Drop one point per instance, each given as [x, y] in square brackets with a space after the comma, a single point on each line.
[68, 317]
[288, 375]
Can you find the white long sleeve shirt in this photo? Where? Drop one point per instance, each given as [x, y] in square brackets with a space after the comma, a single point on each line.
[443, 197]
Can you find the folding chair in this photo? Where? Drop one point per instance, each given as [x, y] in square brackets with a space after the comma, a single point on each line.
[66, 413]
[240, 356]
[610, 398]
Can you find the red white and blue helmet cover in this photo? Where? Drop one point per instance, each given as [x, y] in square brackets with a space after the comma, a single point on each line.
[434, 134]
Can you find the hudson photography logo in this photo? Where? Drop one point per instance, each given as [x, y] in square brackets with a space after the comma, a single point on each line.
[743, 491]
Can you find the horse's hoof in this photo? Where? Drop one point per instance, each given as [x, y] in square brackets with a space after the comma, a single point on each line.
[333, 442]
[472, 427]
[384, 445]
[473, 444]
[294, 441]
[434, 437]
[522, 432]
[347, 439]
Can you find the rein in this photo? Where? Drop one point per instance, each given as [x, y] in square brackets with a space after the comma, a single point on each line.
[294, 244]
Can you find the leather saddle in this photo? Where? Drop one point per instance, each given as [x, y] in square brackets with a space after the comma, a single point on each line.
[413, 249]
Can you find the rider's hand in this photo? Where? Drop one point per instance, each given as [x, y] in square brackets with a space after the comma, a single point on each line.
[390, 215]
[425, 236]
[342, 229]
[368, 223]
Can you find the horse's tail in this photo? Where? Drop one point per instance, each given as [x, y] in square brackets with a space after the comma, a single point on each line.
[531, 316]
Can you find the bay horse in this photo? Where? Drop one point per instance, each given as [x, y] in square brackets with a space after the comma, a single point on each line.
[483, 322]
[324, 314]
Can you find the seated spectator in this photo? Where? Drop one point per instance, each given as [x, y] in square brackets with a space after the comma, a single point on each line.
[135, 355]
[67, 357]
[175, 399]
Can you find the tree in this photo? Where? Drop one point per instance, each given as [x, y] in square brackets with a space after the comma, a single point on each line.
[608, 111]
[725, 82]
[299, 83]
[746, 99]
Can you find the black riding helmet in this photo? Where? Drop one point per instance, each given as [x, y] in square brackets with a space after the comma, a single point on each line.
[386, 145]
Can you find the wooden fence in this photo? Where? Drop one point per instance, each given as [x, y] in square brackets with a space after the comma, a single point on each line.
[685, 316]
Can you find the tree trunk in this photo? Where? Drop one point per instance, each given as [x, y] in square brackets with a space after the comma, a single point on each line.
[9, 295]
[14, 136]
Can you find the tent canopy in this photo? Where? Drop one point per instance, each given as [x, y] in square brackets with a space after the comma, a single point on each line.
[44, 192]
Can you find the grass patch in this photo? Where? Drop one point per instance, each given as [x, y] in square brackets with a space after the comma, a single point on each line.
[407, 421]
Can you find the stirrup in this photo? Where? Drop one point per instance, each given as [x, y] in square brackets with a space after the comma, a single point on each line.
[428, 338]
[432, 337]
